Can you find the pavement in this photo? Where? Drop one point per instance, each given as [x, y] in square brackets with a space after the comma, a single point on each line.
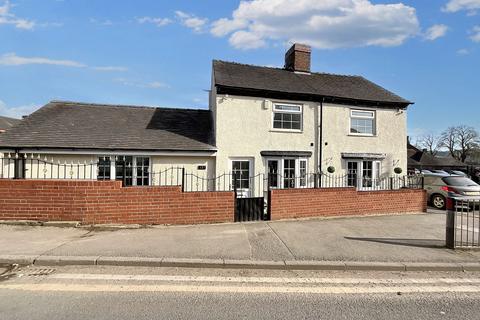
[394, 242]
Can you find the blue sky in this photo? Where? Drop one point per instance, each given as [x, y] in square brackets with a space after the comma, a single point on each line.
[147, 52]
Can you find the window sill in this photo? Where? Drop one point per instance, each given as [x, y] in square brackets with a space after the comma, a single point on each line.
[286, 130]
[362, 135]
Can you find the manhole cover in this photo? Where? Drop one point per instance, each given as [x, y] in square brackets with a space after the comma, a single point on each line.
[39, 272]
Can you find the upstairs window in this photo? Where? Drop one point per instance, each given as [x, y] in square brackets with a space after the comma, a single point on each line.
[287, 117]
[362, 122]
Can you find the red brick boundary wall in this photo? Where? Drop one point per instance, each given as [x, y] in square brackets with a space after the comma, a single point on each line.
[304, 203]
[98, 202]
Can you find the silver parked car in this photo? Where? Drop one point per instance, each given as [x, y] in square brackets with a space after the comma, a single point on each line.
[438, 186]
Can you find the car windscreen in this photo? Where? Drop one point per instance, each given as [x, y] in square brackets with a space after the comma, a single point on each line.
[459, 182]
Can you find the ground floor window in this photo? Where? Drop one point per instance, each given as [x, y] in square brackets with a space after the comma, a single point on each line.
[104, 168]
[363, 173]
[132, 170]
[287, 172]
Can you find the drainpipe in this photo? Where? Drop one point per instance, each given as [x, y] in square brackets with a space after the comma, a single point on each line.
[320, 138]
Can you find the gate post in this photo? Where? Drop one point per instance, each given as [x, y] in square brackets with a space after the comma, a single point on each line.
[235, 213]
[183, 179]
[19, 168]
[450, 227]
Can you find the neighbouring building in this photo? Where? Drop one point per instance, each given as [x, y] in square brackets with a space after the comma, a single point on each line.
[7, 123]
[287, 121]
[420, 159]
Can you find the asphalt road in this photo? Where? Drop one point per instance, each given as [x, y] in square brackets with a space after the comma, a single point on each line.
[171, 293]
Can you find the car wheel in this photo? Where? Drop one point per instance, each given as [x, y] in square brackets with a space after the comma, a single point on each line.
[439, 201]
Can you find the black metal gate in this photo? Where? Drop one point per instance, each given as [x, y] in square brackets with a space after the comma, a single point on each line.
[251, 199]
[249, 209]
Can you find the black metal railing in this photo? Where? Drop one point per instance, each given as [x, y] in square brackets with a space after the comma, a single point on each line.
[31, 167]
[463, 223]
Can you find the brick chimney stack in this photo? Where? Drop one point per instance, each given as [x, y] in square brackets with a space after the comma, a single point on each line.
[297, 58]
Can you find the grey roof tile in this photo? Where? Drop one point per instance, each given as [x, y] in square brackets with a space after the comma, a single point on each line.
[6, 123]
[236, 75]
[61, 124]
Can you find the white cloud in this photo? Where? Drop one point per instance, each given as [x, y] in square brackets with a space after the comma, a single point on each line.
[17, 112]
[110, 68]
[463, 52]
[6, 17]
[191, 21]
[246, 40]
[12, 59]
[436, 31]
[140, 84]
[322, 24]
[458, 5]
[475, 34]
[159, 22]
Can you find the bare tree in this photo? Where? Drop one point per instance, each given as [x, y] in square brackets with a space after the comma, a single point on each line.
[461, 141]
[468, 141]
[432, 143]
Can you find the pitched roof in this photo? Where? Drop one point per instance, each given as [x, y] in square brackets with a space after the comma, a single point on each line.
[7, 123]
[61, 124]
[241, 76]
[420, 158]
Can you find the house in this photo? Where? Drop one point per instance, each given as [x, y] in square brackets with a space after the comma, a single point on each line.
[284, 121]
[289, 121]
[421, 159]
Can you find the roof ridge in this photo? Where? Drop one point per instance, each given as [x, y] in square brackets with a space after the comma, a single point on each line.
[89, 104]
[283, 69]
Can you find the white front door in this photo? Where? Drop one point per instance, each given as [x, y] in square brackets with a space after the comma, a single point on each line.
[241, 177]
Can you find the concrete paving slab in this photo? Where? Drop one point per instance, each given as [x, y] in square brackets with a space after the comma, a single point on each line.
[396, 238]
[28, 240]
[192, 242]
[265, 244]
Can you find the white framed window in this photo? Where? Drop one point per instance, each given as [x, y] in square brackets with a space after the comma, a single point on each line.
[362, 122]
[132, 170]
[241, 173]
[287, 172]
[302, 170]
[363, 174]
[287, 117]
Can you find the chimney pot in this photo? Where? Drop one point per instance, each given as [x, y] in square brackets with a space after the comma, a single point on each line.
[297, 58]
